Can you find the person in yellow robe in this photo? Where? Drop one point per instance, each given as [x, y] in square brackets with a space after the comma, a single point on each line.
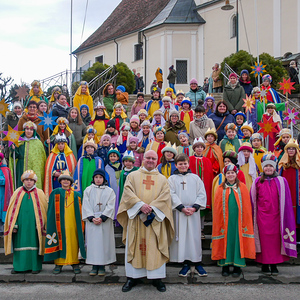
[35, 94]
[259, 151]
[82, 96]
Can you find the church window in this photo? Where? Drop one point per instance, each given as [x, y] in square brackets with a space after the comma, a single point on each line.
[99, 59]
[233, 27]
[138, 52]
[181, 69]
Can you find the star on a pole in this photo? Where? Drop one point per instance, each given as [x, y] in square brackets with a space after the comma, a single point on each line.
[3, 107]
[286, 86]
[48, 121]
[291, 116]
[13, 136]
[248, 103]
[267, 127]
[22, 92]
[258, 69]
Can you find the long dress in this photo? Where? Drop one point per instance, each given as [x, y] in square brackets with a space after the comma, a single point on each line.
[6, 191]
[99, 239]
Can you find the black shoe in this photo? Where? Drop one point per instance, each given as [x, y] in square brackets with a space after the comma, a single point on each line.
[160, 286]
[266, 270]
[237, 271]
[129, 284]
[35, 272]
[274, 270]
[225, 271]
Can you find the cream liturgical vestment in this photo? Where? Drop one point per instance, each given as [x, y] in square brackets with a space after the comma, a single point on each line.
[187, 190]
[99, 239]
[147, 247]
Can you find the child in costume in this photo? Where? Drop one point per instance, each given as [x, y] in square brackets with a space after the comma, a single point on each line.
[285, 135]
[105, 146]
[188, 198]
[167, 107]
[273, 218]
[258, 150]
[155, 103]
[111, 130]
[85, 114]
[145, 136]
[240, 119]
[230, 140]
[100, 119]
[185, 146]
[212, 151]
[232, 234]
[98, 210]
[169, 92]
[24, 229]
[123, 139]
[82, 96]
[55, 92]
[91, 134]
[247, 131]
[209, 105]
[128, 167]
[158, 144]
[35, 94]
[186, 113]
[179, 98]
[122, 96]
[158, 120]
[247, 164]
[167, 163]
[134, 125]
[143, 115]
[119, 115]
[137, 152]
[272, 95]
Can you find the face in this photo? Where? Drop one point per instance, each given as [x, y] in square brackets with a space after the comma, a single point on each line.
[160, 136]
[43, 107]
[246, 132]
[110, 90]
[183, 140]
[18, 110]
[198, 150]
[65, 183]
[209, 103]
[227, 161]
[146, 130]
[270, 111]
[231, 134]
[216, 66]
[155, 94]
[90, 150]
[256, 94]
[169, 93]
[142, 117]
[210, 138]
[193, 86]
[174, 119]
[73, 114]
[247, 153]
[185, 106]
[118, 111]
[134, 125]
[125, 132]
[182, 166]
[113, 157]
[232, 80]
[28, 183]
[62, 126]
[150, 160]
[32, 109]
[91, 136]
[180, 98]
[106, 142]
[268, 170]
[61, 146]
[100, 112]
[166, 104]
[222, 108]
[169, 155]
[291, 152]
[110, 129]
[157, 118]
[231, 176]
[133, 145]
[98, 180]
[239, 120]
[266, 83]
[286, 138]
[244, 77]
[140, 99]
[128, 164]
[28, 132]
[36, 89]
[199, 114]
[55, 95]
[84, 112]
[256, 143]
[83, 89]
[62, 100]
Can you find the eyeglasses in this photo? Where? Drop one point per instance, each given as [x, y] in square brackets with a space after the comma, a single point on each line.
[151, 158]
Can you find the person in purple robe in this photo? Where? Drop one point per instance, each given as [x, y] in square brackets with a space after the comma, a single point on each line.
[274, 221]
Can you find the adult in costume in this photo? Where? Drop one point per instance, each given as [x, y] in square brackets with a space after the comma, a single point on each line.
[55, 92]
[232, 234]
[61, 158]
[30, 155]
[145, 214]
[273, 217]
[25, 224]
[64, 236]
[82, 96]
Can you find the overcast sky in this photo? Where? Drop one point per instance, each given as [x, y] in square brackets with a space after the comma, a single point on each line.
[35, 34]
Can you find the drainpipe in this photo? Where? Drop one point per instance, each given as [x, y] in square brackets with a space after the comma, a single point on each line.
[145, 62]
[117, 50]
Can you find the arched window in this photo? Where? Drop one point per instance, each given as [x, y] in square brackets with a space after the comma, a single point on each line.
[233, 27]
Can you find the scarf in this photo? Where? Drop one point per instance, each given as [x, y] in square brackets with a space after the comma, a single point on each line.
[201, 122]
[100, 117]
[89, 156]
[252, 164]
[232, 85]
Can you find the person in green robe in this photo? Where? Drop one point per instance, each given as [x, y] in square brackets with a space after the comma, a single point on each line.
[25, 225]
[86, 166]
[29, 155]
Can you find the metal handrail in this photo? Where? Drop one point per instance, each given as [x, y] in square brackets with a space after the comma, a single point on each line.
[104, 84]
[101, 74]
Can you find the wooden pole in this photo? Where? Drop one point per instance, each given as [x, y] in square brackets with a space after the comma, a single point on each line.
[15, 175]
[48, 138]
[1, 128]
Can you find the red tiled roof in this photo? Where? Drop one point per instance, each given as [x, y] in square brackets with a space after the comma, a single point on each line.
[129, 16]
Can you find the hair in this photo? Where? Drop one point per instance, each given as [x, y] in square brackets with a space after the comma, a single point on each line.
[39, 103]
[163, 159]
[237, 181]
[248, 77]
[62, 94]
[200, 102]
[32, 102]
[200, 109]
[79, 119]
[181, 157]
[221, 102]
[105, 90]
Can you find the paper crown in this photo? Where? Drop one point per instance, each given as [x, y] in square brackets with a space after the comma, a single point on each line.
[90, 142]
[198, 142]
[145, 123]
[84, 83]
[186, 100]
[269, 159]
[240, 113]
[29, 174]
[248, 126]
[211, 131]
[118, 105]
[35, 83]
[114, 150]
[159, 128]
[167, 98]
[99, 106]
[170, 148]
[158, 112]
[256, 136]
[56, 89]
[281, 133]
[291, 144]
[128, 155]
[230, 167]
[30, 125]
[60, 138]
[62, 120]
[65, 175]
[180, 92]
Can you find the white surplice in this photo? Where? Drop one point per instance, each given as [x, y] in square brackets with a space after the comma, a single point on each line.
[99, 239]
[187, 190]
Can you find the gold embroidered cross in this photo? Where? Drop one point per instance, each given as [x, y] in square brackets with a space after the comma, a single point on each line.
[143, 247]
[148, 182]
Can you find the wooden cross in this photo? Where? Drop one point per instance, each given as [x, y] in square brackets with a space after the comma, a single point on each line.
[99, 205]
[148, 182]
[143, 247]
[183, 183]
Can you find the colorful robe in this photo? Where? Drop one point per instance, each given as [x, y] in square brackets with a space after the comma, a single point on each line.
[188, 150]
[157, 147]
[214, 153]
[58, 241]
[227, 144]
[258, 154]
[6, 190]
[168, 169]
[152, 106]
[122, 180]
[187, 117]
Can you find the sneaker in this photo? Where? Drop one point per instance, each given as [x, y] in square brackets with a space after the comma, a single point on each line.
[184, 271]
[101, 271]
[57, 269]
[200, 271]
[76, 269]
[94, 271]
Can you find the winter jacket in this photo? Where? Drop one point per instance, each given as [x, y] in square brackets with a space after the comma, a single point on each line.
[11, 120]
[172, 132]
[87, 119]
[60, 111]
[109, 102]
[248, 87]
[196, 95]
[78, 131]
[234, 97]
[172, 76]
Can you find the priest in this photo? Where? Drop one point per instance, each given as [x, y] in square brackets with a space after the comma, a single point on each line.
[146, 210]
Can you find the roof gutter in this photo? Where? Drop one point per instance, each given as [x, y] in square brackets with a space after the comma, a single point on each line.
[117, 50]
[145, 61]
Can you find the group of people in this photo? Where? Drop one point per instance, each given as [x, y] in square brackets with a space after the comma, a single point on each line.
[157, 175]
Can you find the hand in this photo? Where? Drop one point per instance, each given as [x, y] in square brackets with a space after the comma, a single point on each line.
[286, 103]
[57, 174]
[13, 146]
[48, 141]
[234, 111]
[97, 221]
[191, 210]
[15, 230]
[146, 209]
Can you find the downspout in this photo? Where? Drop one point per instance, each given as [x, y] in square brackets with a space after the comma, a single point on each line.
[117, 50]
[145, 61]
